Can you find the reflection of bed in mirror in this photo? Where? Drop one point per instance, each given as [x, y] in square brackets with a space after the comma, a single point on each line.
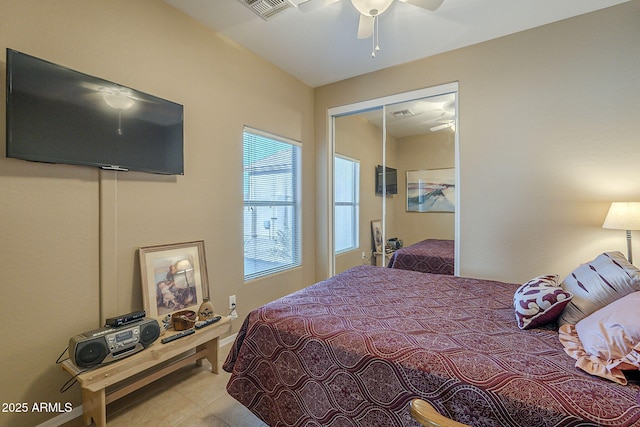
[428, 256]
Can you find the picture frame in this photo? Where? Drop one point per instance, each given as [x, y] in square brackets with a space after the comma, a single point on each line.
[376, 235]
[431, 190]
[174, 278]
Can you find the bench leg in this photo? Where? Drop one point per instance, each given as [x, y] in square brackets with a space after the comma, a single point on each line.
[212, 354]
[94, 406]
[211, 348]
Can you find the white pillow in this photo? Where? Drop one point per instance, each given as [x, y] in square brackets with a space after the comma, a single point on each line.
[598, 283]
[606, 342]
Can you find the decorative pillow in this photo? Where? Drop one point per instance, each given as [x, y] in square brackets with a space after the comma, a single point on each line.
[539, 301]
[608, 341]
[598, 283]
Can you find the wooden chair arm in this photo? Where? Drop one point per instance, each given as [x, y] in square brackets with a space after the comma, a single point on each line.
[426, 415]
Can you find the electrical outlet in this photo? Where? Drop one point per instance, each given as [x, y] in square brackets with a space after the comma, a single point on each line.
[232, 307]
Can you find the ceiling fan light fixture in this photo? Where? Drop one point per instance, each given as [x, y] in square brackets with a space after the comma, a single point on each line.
[370, 11]
[371, 7]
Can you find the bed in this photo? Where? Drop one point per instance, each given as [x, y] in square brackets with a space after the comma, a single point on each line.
[428, 256]
[355, 349]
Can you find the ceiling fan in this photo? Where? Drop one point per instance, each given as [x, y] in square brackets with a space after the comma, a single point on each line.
[370, 10]
[451, 124]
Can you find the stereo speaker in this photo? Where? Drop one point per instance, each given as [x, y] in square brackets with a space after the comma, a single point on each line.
[109, 344]
[150, 332]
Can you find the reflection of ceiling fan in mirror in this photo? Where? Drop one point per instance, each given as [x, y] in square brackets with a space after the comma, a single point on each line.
[415, 117]
[369, 12]
[451, 124]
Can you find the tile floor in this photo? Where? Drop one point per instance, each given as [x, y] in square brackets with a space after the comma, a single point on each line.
[190, 397]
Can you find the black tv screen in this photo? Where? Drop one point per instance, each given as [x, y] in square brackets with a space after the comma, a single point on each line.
[391, 180]
[57, 115]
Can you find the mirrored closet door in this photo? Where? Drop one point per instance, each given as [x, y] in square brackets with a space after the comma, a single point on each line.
[395, 174]
[357, 153]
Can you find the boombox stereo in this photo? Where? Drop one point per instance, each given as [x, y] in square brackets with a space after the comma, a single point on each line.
[108, 344]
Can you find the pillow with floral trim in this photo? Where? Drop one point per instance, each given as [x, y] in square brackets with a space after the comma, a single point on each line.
[539, 301]
[607, 342]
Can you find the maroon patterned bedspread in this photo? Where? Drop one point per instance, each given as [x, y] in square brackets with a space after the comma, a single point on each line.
[427, 256]
[355, 349]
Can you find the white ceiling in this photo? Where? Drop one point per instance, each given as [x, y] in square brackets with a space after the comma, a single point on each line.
[320, 46]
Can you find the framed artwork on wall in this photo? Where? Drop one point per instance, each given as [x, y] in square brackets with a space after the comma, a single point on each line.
[174, 278]
[431, 190]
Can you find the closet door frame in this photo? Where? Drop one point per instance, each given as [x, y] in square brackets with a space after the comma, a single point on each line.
[378, 103]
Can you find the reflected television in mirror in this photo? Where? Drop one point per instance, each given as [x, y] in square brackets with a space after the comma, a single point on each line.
[390, 180]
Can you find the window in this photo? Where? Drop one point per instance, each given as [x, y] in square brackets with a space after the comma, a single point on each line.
[271, 167]
[347, 199]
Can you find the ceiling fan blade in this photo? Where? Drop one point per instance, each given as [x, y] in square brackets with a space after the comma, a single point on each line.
[311, 5]
[365, 26]
[440, 127]
[425, 4]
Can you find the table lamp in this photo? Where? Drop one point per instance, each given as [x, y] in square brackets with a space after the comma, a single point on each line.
[624, 216]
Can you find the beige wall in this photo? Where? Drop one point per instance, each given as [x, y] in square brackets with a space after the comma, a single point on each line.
[548, 122]
[69, 234]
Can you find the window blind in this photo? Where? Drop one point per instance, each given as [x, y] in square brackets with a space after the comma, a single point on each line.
[271, 167]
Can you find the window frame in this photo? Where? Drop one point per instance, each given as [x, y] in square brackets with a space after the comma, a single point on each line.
[295, 204]
[355, 203]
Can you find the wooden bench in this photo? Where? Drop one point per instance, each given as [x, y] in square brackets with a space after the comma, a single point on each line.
[148, 365]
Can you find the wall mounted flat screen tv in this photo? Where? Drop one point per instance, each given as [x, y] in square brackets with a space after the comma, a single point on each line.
[57, 115]
[391, 180]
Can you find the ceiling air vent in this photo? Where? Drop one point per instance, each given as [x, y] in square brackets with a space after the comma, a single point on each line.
[407, 112]
[267, 9]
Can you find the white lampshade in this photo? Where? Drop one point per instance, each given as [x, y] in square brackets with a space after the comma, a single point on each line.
[623, 216]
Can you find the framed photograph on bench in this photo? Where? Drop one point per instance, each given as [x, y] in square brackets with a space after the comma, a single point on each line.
[174, 278]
